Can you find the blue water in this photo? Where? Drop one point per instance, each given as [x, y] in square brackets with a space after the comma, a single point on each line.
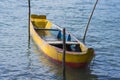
[19, 63]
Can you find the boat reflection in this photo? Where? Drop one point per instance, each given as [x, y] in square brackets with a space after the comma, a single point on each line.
[71, 74]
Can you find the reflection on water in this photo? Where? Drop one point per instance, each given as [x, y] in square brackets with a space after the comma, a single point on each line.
[56, 69]
[29, 62]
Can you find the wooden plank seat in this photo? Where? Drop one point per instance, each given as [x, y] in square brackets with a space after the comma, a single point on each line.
[61, 42]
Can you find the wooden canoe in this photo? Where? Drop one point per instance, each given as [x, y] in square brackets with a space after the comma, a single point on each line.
[48, 38]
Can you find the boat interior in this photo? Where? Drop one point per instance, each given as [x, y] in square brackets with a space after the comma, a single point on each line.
[53, 35]
[55, 38]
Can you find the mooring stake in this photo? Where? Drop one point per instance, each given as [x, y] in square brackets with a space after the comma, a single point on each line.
[89, 21]
[64, 51]
[29, 13]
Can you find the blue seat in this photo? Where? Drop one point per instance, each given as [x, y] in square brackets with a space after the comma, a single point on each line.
[60, 36]
[68, 37]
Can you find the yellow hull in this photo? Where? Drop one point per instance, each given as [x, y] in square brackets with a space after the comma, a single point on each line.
[73, 59]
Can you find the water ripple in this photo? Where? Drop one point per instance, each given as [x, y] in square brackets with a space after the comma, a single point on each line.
[19, 63]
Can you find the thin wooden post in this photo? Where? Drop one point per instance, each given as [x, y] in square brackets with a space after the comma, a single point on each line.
[64, 51]
[89, 21]
[29, 9]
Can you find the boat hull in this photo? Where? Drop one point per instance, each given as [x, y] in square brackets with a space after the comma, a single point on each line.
[71, 64]
[73, 59]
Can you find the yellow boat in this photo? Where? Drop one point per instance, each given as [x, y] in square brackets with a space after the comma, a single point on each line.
[48, 38]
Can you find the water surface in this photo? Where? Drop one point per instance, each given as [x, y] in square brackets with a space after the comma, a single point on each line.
[19, 63]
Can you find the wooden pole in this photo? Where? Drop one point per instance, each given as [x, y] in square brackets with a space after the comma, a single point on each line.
[64, 51]
[29, 23]
[89, 21]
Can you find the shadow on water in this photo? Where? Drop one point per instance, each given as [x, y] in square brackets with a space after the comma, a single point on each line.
[56, 69]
